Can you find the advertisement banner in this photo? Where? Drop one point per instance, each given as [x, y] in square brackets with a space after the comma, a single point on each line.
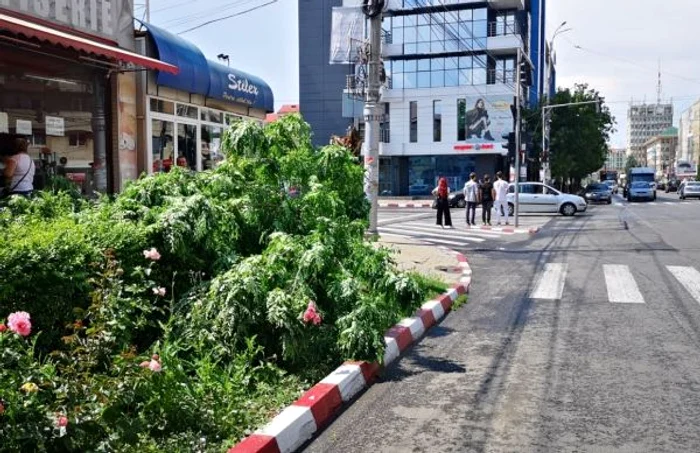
[347, 34]
[482, 122]
[111, 19]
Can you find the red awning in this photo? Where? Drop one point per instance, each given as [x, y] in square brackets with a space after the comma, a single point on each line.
[32, 30]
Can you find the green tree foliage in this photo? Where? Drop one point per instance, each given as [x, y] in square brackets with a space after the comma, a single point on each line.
[631, 163]
[579, 135]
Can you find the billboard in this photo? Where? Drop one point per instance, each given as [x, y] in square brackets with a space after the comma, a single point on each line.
[482, 121]
[111, 19]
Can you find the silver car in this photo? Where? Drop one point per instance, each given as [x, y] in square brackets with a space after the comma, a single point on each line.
[689, 189]
[641, 190]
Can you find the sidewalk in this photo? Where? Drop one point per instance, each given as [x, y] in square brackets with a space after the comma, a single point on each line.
[427, 259]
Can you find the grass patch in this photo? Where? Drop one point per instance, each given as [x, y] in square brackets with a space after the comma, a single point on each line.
[460, 302]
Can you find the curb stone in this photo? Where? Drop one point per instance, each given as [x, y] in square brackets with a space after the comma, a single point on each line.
[296, 424]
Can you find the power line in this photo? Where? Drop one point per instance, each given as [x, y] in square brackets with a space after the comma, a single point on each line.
[628, 61]
[227, 17]
[204, 14]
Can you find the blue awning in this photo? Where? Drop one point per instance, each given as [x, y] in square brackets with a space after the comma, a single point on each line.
[207, 78]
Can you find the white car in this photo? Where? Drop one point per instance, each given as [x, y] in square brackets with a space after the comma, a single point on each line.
[536, 197]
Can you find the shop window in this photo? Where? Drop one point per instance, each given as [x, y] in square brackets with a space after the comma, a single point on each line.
[212, 116]
[187, 146]
[38, 139]
[76, 139]
[160, 106]
[230, 119]
[187, 111]
[211, 146]
[163, 147]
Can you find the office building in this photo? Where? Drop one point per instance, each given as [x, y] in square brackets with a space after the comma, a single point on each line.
[450, 69]
[689, 136]
[661, 152]
[616, 160]
[644, 122]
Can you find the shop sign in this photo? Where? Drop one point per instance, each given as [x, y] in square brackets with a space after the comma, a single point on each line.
[241, 89]
[24, 127]
[111, 19]
[55, 126]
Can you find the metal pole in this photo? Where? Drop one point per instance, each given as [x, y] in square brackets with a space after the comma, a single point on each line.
[518, 119]
[545, 129]
[371, 118]
[148, 11]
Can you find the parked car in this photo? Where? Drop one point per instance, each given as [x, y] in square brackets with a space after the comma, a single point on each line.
[672, 186]
[597, 193]
[612, 185]
[689, 189]
[640, 190]
[536, 197]
[457, 200]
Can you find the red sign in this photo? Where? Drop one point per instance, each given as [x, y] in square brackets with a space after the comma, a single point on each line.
[477, 147]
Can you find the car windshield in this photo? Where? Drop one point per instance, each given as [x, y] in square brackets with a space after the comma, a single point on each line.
[694, 185]
[640, 185]
[597, 187]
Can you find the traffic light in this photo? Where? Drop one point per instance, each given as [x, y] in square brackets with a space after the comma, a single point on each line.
[525, 73]
[510, 145]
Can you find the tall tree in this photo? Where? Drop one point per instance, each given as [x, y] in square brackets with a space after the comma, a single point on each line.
[579, 135]
[631, 163]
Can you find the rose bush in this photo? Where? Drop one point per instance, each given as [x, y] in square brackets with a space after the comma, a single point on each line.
[186, 311]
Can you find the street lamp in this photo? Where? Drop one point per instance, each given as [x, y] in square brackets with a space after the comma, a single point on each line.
[224, 57]
[546, 94]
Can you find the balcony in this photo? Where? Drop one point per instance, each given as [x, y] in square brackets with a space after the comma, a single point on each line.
[503, 39]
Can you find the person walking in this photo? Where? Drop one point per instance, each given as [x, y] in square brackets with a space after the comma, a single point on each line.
[442, 192]
[486, 197]
[471, 196]
[500, 192]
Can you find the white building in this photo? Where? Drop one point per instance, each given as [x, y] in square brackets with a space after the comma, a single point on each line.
[451, 75]
[645, 121]
[689, 135]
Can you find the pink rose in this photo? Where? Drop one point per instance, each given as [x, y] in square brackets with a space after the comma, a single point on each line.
[159, 291]
[311, 315]
[19, 323]
[62, 421]
[144, 364]
[151, 254]
[154, 366]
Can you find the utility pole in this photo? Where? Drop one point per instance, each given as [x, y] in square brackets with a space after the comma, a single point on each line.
[518, 119]
[373, 10]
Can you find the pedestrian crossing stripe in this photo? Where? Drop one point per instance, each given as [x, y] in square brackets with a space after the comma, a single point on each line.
[622, 287]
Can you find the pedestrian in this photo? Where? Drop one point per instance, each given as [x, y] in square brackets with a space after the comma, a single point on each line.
[486, 199]
[19, 171]
[442, 192]
[471, 196]
[500, 195]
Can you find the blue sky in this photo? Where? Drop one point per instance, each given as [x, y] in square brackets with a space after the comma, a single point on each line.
[263, 43]
[623, 44]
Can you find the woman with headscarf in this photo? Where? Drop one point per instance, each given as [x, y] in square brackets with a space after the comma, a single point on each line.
[442, 192]
[478, 122]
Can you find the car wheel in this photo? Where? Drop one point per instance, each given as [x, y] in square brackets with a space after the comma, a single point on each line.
[511, 209]
[462, 204]
[609, 202]
[568, 209]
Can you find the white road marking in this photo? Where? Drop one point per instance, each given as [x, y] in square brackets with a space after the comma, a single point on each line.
[550, 282]
[689, 277]
[622, 287]
[432, 238]
[457, 231]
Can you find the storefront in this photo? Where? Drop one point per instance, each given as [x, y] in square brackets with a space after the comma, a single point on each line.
[67, 85]
[185, 115]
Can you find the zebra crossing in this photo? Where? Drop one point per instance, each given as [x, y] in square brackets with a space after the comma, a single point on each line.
[426, 230]
[621, 285]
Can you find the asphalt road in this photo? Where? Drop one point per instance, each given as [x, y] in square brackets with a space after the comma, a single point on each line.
[585, 338]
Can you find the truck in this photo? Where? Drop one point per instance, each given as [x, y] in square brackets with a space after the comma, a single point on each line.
[643, 174]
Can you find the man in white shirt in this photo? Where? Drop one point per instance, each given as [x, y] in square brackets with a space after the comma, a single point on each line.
[500, 195]
[471, 196]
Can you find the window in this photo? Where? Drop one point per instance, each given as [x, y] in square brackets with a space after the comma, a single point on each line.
[437, 121]
[76, 139]
[413, 114]
[461, 120]
[160, 106]
[441, 72]
[187, 111]
[450, 31]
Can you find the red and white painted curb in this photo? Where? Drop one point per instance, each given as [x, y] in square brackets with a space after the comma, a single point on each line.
[407, 205]
[296, 424]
